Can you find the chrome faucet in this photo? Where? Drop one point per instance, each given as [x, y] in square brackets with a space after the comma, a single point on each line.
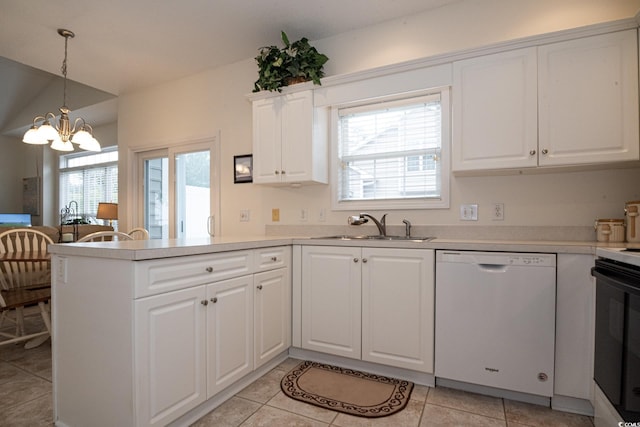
[362, 219]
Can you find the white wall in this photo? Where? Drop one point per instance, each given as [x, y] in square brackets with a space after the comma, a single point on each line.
[214, 101]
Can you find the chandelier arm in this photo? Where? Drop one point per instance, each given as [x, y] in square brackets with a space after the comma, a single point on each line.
[75, 124]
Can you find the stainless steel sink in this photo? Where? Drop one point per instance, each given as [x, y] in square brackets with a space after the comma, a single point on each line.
[377, 237]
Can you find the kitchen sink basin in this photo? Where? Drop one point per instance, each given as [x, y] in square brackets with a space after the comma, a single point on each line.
[377, 237]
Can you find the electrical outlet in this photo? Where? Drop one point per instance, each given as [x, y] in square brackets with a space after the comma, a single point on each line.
[322, 215]
[275, 215]
[469, 212]
[304, 214]
[497, 212]
[61, 270]
[244, 215]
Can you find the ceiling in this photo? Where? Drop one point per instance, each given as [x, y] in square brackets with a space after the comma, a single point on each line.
[123, 45]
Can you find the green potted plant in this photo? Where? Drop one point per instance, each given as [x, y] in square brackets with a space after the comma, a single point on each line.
[296, 62]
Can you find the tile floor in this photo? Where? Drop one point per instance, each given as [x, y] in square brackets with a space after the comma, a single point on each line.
[25, 400]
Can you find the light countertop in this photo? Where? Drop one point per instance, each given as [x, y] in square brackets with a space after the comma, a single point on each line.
[137, 250]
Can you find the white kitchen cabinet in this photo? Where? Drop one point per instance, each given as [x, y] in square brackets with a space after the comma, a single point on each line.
[373, 304]
[141, 343]
[229, 332]
[495, 117]
[289, 140]
[575, 329]
[588, 97]
[560, 104]
[398, 307]
[170, 382]
[272, 314]
[331, 296]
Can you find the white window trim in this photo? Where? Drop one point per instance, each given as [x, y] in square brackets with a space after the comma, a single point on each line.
[395, 204]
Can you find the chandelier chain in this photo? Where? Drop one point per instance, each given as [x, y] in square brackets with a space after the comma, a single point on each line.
[64, 71]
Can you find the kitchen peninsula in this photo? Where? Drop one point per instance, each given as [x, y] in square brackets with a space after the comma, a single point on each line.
[160, 332]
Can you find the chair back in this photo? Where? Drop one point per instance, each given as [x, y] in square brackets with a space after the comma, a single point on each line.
[105, 236]
[139, 233]
[24, 259]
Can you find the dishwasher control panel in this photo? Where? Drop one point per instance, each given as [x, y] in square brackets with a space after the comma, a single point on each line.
[497, 258]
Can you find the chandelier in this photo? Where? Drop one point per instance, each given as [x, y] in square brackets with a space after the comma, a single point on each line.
[63, 134]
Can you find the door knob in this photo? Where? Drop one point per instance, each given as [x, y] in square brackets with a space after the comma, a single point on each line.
[545, 151]
[259, 287]
[209, 269]
[214, 300]
[356, 260]
[204, 302]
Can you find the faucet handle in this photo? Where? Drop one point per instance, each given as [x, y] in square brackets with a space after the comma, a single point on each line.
[407, 227]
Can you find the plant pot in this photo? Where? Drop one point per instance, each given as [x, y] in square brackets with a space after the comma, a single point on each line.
[293, 80]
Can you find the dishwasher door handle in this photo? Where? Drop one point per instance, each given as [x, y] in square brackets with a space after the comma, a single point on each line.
[493, 268]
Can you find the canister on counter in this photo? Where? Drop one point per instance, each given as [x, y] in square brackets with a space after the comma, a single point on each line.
[610, 230]
[632, 210]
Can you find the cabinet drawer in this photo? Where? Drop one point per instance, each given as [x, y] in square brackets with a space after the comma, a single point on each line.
[271, 258]
[163, 275]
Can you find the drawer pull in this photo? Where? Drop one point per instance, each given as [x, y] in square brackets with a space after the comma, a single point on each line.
[259, 287]
[274, 258]
[214, 300]
[204, 302]
[209, 269]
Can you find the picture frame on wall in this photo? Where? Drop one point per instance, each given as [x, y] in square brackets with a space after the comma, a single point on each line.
[243, 169]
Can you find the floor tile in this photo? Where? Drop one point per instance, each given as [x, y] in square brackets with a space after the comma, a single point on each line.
[21, 390]
[288, 364]
[420, 393]
[434, 415]
[283, 401]
[9, 373]
[264, 388]
[231, 413]
[34, 413]
[466, 401]
[541, 416]
[270, 416]
[408, 417]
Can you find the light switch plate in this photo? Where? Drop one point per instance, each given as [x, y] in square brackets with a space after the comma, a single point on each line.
[469, 212]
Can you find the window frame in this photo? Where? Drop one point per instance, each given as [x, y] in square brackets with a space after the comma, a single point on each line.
[443, 202]
[62, 169]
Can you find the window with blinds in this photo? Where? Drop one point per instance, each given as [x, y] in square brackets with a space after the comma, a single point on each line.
[391, 151]
[88, 179]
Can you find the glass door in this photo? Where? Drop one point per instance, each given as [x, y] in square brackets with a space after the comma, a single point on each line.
[176, 191]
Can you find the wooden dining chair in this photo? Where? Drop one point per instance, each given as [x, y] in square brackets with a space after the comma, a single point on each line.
[139, 233]
[25, 281]
[105, 236]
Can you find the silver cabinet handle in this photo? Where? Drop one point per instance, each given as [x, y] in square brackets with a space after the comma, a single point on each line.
[274, 258]
[209, 269]
[214, 300]
[204, 302]
[259, 287]
[532, 152]
[545, 151]
[356, 260]
[364, 260]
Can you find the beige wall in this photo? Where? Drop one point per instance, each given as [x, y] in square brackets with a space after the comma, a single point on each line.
[214, 101]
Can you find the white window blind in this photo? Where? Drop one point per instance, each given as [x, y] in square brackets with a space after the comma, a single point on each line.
[390, 150]
[89, 179]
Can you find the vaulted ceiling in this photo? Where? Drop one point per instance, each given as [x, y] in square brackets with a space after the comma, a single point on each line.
[124, 45]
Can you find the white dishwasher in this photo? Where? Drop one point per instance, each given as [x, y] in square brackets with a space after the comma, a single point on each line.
[495, 319]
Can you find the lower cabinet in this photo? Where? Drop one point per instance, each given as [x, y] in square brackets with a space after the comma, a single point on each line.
[374, 304]
[193, 343]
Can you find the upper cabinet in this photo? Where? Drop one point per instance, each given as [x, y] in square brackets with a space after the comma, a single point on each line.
[289, 140]
[495, 116]
[560, 104]
[588, 100]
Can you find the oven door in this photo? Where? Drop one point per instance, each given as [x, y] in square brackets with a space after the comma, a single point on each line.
[617, 340]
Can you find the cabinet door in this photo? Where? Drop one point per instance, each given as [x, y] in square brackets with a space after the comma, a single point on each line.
[575, 326]
[170, 355]
[297, 126]
[588, 92]
[229, 332]
[272, 314]
[398, 307]
[331, 297]
[267, 163]
[495, 111]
